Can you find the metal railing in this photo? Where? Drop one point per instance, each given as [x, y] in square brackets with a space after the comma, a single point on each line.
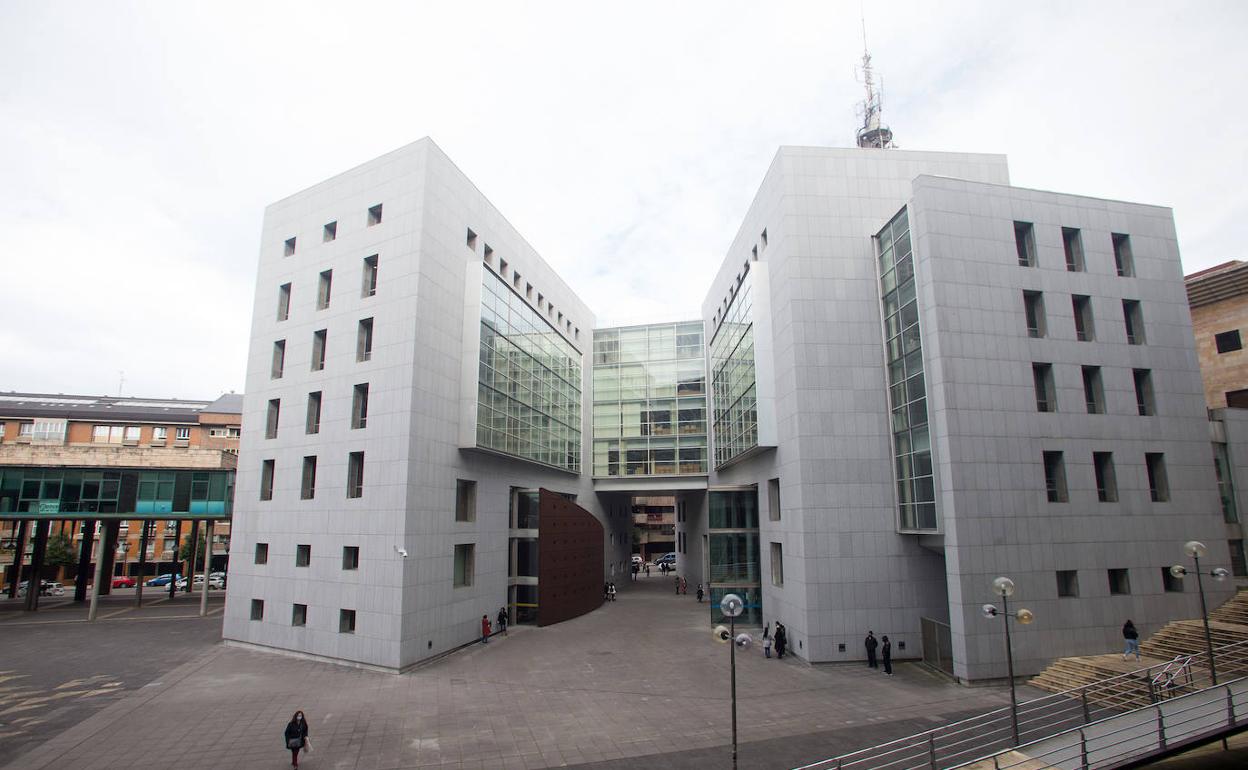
[981, 736]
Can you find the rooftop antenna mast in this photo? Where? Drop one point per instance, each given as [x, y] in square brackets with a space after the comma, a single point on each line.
[872, 133]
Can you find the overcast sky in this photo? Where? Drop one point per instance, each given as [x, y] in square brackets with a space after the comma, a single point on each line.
[140, 142]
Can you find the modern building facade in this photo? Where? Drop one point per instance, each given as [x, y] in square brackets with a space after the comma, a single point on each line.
[126, 472]
[908, 378]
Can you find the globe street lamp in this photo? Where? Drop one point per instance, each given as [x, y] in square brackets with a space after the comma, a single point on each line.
[732, 606]
[1196, 549]
[1004, 587]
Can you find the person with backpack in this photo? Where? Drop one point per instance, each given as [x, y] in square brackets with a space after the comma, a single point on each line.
[1133, 640]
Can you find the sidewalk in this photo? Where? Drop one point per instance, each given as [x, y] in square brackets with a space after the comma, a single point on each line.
[641, 676]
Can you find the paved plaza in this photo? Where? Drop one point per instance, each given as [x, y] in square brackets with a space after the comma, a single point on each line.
[637, 683]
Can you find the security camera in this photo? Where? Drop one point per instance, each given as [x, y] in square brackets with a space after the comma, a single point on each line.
[401, 551]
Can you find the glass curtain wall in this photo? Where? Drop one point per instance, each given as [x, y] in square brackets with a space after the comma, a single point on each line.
[529, 388]
[55, 490]
[907, 392]
[732, 537]
[733, 377]
[650, 400]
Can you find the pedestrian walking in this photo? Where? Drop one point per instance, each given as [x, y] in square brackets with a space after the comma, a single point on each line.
[636, 569]
[502, 619]
[684, 586]
[606, 592]
[678, 585]
[767, 640]
[887, 654]
[871, 643]
[296, 736]
[611, 592]
[782, 640]
[646, 567]
[1132, 638]
[699, 593]
[485, 629]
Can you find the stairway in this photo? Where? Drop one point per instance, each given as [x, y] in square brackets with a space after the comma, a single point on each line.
[1227, 625]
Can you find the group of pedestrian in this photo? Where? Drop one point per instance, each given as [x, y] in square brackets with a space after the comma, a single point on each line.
[487, 629]
[608, 592]
[871, 643]
[780, 639]
[682, 586]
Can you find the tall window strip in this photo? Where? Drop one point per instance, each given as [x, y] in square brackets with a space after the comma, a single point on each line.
[318, 349]
[279, 359]
[1106, 482]
[1226, 484]
[649, 409]
[1124, 261]
[734, 396]
[1055, 477]
[359, 406]
[313, 423]
[323, 288]
[1025, 243]
[1133, 320]
[369, 287]
[1144, 402]
[1072, 244]
[266, 479]
[1093, 390]
[364, 340]
[329, 232]
[1085, 330]
[529, 382]
[1042, 379]
[1158, 484]
[355, 474]
[907, 392]
[283, 302]
[270, 422]
[307, 488]
[1033, 310]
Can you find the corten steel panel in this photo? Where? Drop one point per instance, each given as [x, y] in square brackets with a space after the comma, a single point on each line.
[569, 559]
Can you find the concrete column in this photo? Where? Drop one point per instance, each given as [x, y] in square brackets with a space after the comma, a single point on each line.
[108, 553]
[177, 563]
[20, 543]
[138, 586]
[203, 594]
[84, 560]
[36, 563]
[99, 577]
[190, 563]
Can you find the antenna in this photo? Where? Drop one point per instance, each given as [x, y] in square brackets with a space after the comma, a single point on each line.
[872, 133]
[121, 382]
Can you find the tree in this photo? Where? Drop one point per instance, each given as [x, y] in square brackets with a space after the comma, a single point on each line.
[59, 551]
[185, 552]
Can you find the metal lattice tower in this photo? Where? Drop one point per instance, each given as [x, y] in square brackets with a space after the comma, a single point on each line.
[872, 132]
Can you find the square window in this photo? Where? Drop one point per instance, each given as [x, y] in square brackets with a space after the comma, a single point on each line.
[330, 232]
[1227, 342]
[1067, 582]
[290, 246]
[370, 276]
[303, 555]
[472, 239]
[465, 500]
[1170, 583]
[350, 557]
[346, 621]
[359, 406]
[1124, 262]
[355, 474]
[465, 555]
[1055, 477]
[313, 423]
[262, 553]
[773, 499]
[324, 288]
[283, 302]
[1025, 243]
[266, 480]
[257, 609]
[364, 340]
[777, 564]
[307, 488]
[299, 614]
[1119, 582]
[1072, 243]
[1237, 399]
[374, 215]
[182, 434]
[270, 422]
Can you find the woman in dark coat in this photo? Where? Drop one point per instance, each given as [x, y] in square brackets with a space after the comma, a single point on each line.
[888, 656]
[782, 640]
[296, 736]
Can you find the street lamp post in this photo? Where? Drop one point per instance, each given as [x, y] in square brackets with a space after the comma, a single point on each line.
[1004, 587]
[732, 606]
[1196, 549]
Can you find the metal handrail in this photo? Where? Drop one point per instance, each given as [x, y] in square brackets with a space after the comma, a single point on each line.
[953, 744]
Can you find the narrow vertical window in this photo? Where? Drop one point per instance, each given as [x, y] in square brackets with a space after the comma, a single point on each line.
[279, 359]
[1082, 306]
[1033, 309]
[266, 479]
[465, 556]
[355, 474]
[307, 488]
[1106, 482]
[1133, 320]
[303, 555]
[773, 499]
[359, 406]
[257, 609]
[350, 557]
[1124, 262]
[290, 247]
[1158, 484]
[471, 239]
[346, 621]
[1055, 477]
[1042, 378]
[329, 232]
[283, 302]
[1093, 390]
[465, 500]
[262, 553]
[270, 423]
[299, 614]
[1072, 243]
[369, 287]
[318, 350]
[313, 424]
[1144, 402]
[324, 288]
[777, 564]
[374, 215]
[364, 340]
[1025, 243]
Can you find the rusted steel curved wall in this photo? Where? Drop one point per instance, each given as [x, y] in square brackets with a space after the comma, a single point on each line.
[569, 559]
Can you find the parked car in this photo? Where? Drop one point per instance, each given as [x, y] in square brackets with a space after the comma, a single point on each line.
[46, 588]
[123, 582]
[161, 580]
[668, 558]
[216, 580]
[637, 559]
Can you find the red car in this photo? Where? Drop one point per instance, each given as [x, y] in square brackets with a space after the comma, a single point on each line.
[123, 582]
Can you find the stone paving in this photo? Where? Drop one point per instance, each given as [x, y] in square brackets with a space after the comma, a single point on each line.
[637, 683]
